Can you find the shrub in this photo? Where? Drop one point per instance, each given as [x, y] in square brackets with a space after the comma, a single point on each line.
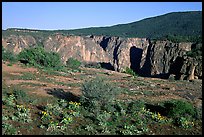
[8, 129]
[184, 122]
[178, 108]
[21, 96]
[40, 58]
[8, 56]
[92, 65]
[98, 94]
[135, 106]
[9, 100]
[197, 51]
[130, 71]
[73, 63]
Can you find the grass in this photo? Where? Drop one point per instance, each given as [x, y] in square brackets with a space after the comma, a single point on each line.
[11, 76]
[43, 78]
[50, 72]
[136, 82]
[148, 93]
[69, 84]
[31, 84]
[28, 76]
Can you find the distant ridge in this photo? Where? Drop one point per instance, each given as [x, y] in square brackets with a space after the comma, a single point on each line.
[186, 26]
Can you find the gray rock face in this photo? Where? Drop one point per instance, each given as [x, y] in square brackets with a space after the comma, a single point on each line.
[147, 58]
[17, 43]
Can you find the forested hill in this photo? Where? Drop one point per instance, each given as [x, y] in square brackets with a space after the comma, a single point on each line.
[175, 26]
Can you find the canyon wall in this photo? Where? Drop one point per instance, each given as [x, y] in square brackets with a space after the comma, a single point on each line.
[145, 57]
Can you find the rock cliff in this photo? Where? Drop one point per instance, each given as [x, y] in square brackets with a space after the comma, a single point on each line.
[145, 57]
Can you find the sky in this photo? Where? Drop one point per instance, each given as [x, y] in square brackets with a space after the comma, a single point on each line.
[74, 15]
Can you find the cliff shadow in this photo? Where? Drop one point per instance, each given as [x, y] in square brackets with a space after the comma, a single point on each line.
[135, 58]
[104, 43]
[61, 94]
[175, 67]
[161, 75]
[107, 66]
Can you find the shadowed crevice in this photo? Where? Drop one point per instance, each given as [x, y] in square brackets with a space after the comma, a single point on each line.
[135, 59]
[104, 43]
[175, 68]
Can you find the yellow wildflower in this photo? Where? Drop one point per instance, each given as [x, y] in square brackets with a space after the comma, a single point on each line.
[44, 113]
[71, 102]
[19, 106]
[69, 119]
[153, 116]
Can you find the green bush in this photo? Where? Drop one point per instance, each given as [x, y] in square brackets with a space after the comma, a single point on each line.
[195, 52]
[40, 58]
[73, 63]
[21, 96]
[178, 108]
[130, 71]
[135, 106]
[184, 122]
[92, 65]
[98, 94]
[8, 56]
[8, 129]
[9, 100]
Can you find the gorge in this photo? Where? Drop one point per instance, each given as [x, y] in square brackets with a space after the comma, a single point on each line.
[145, 56]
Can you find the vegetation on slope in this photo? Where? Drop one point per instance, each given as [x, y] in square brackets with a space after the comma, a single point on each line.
[92, 113]
[196, 51]
[184, 25]
[8, 56]
[39, 57]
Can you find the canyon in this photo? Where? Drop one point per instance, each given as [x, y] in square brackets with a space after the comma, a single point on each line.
[149, 58]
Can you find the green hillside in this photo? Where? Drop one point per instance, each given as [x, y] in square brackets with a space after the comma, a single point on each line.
[175, 26]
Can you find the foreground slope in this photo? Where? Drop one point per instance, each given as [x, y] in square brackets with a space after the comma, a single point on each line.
[38, 89]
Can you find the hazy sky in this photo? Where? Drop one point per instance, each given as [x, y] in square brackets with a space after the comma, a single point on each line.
[72, 15]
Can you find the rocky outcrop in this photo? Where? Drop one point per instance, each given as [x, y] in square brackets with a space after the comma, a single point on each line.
[81, 48]
[145, 57]
[16, 43]
[191, 68]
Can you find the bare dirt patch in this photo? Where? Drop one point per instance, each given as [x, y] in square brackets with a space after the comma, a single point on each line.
[37, 87]
[16, 68]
